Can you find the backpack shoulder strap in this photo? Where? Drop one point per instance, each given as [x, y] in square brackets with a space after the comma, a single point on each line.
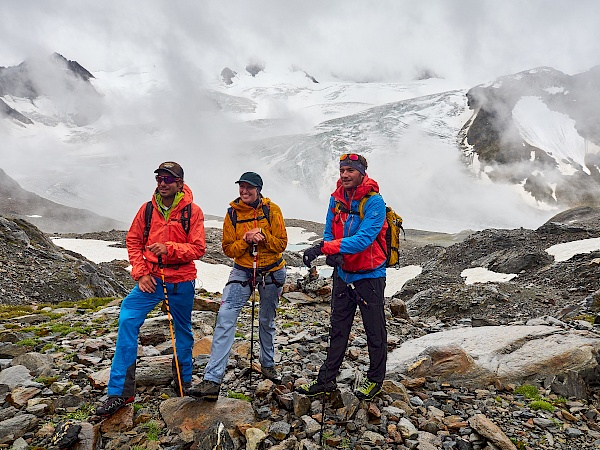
[361, 205]
[147, 221]
[232, 215]
[267, 212]
[186, 214]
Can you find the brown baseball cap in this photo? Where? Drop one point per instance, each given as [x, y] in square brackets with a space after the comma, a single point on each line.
[172, 167]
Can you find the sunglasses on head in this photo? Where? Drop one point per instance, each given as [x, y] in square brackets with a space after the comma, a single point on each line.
[167, 179]
[350, 156]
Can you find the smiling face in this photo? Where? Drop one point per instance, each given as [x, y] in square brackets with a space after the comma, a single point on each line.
[168, 186]
[248, 193]
[350, 177]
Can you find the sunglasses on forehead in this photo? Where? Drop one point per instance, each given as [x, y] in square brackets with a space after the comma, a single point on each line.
[167, 179]
[350, 156]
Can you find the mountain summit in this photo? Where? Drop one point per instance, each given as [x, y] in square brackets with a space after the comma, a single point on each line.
[531, 139]
[538, 129]
[65, 83]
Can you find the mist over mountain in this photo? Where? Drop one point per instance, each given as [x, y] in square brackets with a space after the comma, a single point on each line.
[509, 153]
[538, 129]
[49, 216]
[62, 83]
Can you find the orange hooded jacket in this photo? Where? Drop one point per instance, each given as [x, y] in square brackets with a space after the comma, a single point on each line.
[182, 248]
[270, 250]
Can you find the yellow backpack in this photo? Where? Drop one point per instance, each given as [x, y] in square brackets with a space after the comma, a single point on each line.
[392, 235]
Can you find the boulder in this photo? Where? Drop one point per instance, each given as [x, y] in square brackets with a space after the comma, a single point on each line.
[496, 354]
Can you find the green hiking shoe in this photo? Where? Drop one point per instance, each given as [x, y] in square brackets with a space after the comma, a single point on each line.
[367, 390]
[315, 388]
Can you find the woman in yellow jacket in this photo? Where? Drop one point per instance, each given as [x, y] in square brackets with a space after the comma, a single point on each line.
[254, 235]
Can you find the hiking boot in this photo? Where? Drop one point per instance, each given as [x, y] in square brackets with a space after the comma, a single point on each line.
[112, 405]
[367, 390]
[187, 386]
[315, 388]
[207, 390]
[271, 374]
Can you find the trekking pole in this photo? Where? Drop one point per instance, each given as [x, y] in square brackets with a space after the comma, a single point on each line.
[164, 285]
[327, 354]
[254, 252]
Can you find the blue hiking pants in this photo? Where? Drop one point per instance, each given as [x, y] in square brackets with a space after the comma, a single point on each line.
[134, 309]
[235, 295]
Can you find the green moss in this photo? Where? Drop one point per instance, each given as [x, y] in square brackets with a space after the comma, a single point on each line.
[137, 407]
[46, 348]
[587, 317]
[11, 311]
[83, 412]
[290, 324]
[541, 404]
[519, 444]
[29, 342]
[152, 430]
[238, 395]
[51, 315]
[528, 391]
[46, 381]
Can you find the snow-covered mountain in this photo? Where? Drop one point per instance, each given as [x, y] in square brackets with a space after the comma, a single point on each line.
[420, 139]
[539, 129]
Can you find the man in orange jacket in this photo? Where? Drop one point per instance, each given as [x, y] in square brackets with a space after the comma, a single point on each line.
[164, 244]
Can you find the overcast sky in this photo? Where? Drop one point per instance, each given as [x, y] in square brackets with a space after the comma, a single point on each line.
[189, 42]
[468, 40]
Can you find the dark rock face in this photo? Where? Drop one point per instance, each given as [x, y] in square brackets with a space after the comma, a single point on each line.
[55, 77]
[33, 269]
[7, 111]
[541, 284]
[254, 68]
[492, 134]
[47, 215]
[227, 75]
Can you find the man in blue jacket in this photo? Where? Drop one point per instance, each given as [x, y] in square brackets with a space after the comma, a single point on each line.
[354, 240]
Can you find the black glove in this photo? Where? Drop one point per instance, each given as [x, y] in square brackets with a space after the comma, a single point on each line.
[334, 260]
[311, 253]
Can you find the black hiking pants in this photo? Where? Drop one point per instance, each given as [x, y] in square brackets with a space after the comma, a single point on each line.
[368, 296]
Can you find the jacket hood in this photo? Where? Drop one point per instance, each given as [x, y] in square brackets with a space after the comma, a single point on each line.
[240, 206]
[367, 185]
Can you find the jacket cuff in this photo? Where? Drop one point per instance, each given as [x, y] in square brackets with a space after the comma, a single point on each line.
[331, 247]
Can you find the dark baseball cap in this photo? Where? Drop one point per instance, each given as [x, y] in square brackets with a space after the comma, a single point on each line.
[172, 167]
[251, 178]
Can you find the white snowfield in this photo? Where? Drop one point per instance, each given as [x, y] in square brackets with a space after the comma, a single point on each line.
[551, 131]
[213, 277]
[564, 252]
[406, 129]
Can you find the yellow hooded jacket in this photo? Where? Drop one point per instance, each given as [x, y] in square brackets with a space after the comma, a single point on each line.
[270, 250]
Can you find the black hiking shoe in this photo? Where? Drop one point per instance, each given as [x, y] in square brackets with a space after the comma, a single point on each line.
[367, 390]
[112, 405]
[187, 387]
[207, 390]
[315, 388]
[271, 374]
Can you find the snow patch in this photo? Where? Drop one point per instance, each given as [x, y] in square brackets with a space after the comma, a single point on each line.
[483, 275]
[565, 251]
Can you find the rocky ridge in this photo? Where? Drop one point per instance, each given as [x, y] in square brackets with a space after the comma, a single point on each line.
[54, 361]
